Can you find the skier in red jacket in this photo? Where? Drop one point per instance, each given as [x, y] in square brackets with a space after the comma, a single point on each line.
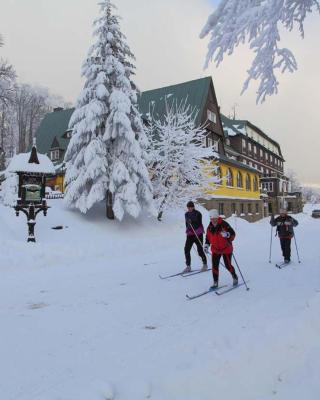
[220, 235]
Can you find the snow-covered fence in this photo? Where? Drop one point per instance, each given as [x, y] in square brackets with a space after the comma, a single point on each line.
[54, 195]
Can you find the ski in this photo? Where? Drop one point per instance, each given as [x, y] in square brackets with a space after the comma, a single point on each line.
[206, 292]
[282, 265]
[179, 274]
[194, 273]
[229, 289]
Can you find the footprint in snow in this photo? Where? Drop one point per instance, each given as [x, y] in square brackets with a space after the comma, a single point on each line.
[36, 306]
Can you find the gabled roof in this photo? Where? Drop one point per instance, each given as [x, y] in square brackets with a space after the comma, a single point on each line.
[52, 127]
[238, 127]
[32, 162]
[195, 92]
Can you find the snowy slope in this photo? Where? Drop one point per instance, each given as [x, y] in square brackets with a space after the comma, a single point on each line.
[84, 315]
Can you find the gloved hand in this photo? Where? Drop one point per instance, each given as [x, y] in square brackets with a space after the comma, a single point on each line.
[288, 223]
[206, 248]
[225, 234]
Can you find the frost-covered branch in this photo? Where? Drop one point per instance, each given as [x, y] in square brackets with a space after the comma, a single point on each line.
[257, 22]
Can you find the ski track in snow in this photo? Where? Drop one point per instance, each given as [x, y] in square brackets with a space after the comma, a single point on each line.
[84, 315]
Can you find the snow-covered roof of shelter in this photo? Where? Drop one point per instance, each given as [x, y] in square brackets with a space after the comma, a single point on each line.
[21, 163]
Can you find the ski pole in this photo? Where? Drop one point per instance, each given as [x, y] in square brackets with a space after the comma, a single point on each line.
[195, 234]
[240, 271]
[295, 241]
[270, 244]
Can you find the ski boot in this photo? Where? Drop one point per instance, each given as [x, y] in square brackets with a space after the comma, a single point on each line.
[214, 286]
[235, 281]
[204, 268]
[187, 269]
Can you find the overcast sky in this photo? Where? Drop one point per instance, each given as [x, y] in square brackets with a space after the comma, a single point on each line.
[47, 41]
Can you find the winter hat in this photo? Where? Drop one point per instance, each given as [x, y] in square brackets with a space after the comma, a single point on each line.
[190, 204]
[214, 213]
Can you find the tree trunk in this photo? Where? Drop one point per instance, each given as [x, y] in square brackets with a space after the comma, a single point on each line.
[109, 205]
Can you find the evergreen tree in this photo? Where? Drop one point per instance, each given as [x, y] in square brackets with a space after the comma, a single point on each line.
[107, 152]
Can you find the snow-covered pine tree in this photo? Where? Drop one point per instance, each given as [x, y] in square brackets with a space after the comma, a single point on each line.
[258, 23]
[107, 152]
[181, 165]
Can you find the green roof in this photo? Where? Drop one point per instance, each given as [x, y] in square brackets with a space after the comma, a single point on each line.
[238, 127]
[52, 128]
[153, 102]
[55, 124]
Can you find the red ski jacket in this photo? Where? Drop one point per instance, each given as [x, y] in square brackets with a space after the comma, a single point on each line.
[219, 244]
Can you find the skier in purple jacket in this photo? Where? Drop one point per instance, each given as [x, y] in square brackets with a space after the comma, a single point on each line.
[194, 231]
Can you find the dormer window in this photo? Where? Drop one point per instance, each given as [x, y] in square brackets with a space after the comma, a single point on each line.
[212, 116]
[68, 134]
[54, 155]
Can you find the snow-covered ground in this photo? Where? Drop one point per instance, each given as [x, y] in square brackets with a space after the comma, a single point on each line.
[84, 315]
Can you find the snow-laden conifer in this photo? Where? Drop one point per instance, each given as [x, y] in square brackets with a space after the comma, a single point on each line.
[106, 154]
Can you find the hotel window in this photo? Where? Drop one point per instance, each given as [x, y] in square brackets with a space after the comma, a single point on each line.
[248, 183]
[255, 149]
[239, 180]
[212, 116]
[229, 177]
[216, 145]
[217, 173]
[249, 209]
[242, 208]
[257, 208]
[221, 209]
[261, 153]
[255, 184]
[234, 208]
[249, 146]
[244, 144]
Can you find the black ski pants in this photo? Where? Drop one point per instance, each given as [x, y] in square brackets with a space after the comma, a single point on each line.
[227, 262]
[286, 248]
[187, 248]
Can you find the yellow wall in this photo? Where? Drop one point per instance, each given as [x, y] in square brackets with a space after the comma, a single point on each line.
[223, 190]
[58, 180]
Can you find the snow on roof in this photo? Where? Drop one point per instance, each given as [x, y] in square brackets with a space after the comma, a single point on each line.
[20, 163]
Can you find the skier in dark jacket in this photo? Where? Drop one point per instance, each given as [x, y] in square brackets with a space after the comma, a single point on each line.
[194, 231]
[220, 235]
[285, 224]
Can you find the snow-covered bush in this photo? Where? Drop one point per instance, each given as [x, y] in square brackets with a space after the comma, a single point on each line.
[9, 189]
